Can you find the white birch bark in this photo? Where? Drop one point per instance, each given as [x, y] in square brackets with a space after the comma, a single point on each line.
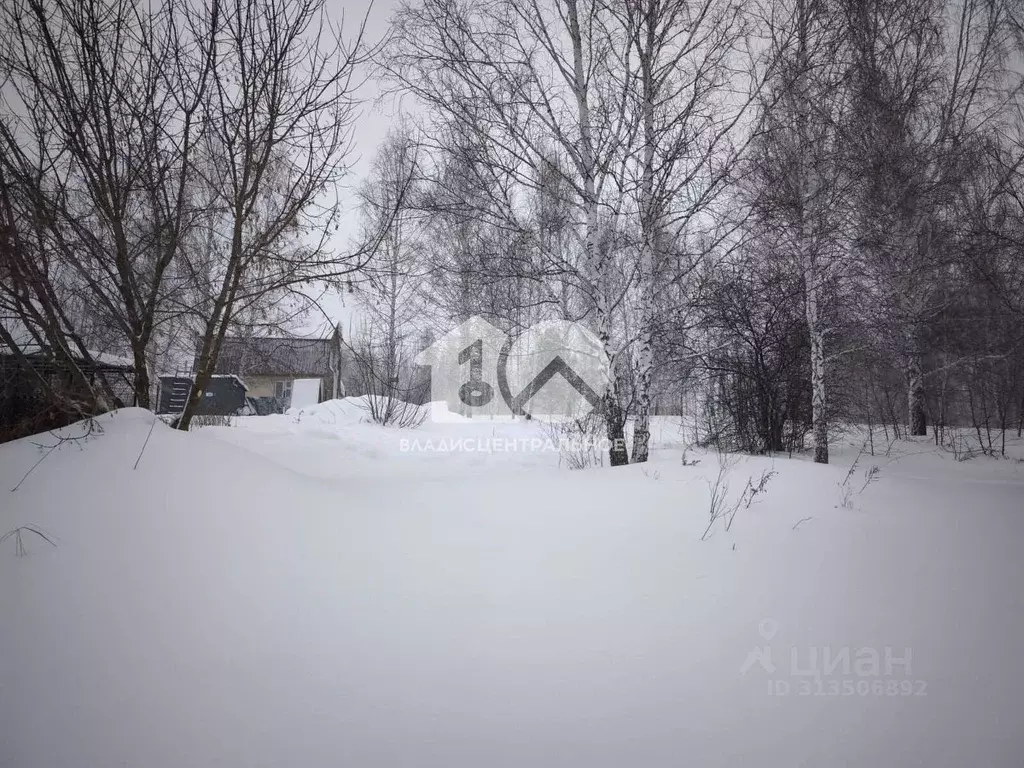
[819, 401]
[649, 225]
[806, 246]
[597, 257]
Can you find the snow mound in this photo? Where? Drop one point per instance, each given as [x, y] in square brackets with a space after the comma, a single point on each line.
[340, 412]
[356, 410]
[219, 606]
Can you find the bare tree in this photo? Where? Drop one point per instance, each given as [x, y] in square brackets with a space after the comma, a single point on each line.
[391, 283]
[924, 89]
[98, 133]
[522, 98]
[690, 81]
[801, 195]
[279, 113]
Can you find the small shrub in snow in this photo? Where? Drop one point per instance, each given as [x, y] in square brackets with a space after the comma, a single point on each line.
[720, 507]
[390, 411]
[579, 440]
[961, 448]
[719, 488]
[848, 487]
[845, 496]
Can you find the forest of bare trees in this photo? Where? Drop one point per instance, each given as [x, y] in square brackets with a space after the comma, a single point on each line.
[777, 217]
[781, 217]
[167, 173]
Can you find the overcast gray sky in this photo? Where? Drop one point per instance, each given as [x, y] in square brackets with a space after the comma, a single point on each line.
[371, 127]
[376, 118]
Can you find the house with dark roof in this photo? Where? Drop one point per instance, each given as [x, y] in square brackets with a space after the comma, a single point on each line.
[280, 367]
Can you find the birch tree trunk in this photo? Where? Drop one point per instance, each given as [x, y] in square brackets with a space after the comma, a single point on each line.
[681, 57]
[645, 375]
[819, 401]
[649, 224]
[803, 179]
[597, 254]
[806, 245]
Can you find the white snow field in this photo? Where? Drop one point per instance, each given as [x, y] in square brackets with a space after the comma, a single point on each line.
[299, 591]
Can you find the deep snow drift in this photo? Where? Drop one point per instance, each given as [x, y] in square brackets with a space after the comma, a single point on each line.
[302, 591]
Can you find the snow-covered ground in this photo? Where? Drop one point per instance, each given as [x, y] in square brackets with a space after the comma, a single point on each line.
[310, 590]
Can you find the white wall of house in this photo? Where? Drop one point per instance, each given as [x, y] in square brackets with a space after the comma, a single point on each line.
[302, 391]
[306, 392]
[261, 386]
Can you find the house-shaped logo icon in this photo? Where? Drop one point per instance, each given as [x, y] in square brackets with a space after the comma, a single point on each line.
[463, 371]
[556, 369]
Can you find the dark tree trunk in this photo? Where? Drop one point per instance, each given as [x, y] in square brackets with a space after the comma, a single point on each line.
[915, 398]
[615, 424]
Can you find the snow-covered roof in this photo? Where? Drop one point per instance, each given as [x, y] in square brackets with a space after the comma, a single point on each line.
[105, 358]
[99, 358]
[26, 343]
